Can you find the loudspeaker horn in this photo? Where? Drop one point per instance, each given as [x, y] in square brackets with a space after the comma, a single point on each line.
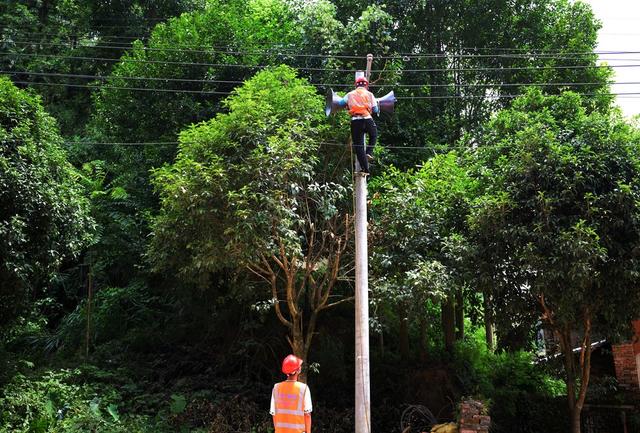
[387, 102]
[332, 106]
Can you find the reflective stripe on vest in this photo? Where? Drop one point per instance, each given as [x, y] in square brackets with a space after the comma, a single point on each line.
[360, 102]
[289, 426]
[289, 407]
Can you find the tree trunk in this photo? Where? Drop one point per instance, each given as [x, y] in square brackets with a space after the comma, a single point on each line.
[459, 315]
[563, 333]
[585, 370]
[297, 343]
[381, 336]
[297, 339]
[448, 323]
[570, 380]
[575, 420]
[423, 338]
[488, 321]
[404, 334]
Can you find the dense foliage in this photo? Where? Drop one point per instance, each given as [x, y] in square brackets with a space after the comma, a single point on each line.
[249, 190]
[189, 222]
[562, 202]
[44, 210]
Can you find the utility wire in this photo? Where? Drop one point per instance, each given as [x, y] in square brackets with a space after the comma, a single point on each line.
[211, 92]
[139, 89]
[179, 49]
[519, 52]
[89, 34]
[173, 143]
[303, 68]
[168, 62]
[280, 52]
[623, 94]
[425, 85]
[442, 148]
[116, 77]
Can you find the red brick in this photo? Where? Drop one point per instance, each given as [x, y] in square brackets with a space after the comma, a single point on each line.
[624, 360]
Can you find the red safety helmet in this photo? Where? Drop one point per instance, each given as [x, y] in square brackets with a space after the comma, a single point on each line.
[291, 364]
[361, 80]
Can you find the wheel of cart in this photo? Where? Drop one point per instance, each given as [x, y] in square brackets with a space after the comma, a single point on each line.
[417, 419]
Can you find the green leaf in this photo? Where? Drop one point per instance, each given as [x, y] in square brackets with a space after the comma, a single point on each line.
[178, 403]
[94, 407]
[113, 411]
[119, 193]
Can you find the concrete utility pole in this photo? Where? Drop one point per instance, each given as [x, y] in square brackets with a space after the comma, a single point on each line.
[363, 393]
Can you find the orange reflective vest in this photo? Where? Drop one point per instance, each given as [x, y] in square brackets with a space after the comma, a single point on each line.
[360, 102]
[289, 407]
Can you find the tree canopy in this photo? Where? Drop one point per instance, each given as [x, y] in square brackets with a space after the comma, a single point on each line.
[560, 222]
[248, 190]
[44, 209]
[195, 204]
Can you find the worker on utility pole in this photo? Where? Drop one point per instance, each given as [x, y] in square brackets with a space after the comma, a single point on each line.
[291, 400]
[361, 104]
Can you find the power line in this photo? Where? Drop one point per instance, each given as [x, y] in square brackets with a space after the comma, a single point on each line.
[623, 94]
[304, 68]
[398, 85]
[520, 52]
[559, 55]
[139, 89]
[166, 143]
[519, 68]
[88, 34]
[186, 49]
[117, 143]
[211, 92]
[116, 77]
[167, 62]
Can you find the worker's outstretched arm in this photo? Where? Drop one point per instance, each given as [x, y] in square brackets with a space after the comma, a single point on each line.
[375, 107]
[307, 423]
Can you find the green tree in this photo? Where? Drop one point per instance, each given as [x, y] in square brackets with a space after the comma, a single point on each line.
[248, 190]
[44, 212]
[560, 222]
[465, 58]
[419, 225]
[209, 50]
[75, 37]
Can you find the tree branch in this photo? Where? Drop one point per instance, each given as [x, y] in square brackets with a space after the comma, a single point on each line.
[274, 294]
[585, 359]
[258, 271]
[341, 301]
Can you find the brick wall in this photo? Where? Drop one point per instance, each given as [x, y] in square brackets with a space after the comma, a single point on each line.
[624, 359]
[473, 418]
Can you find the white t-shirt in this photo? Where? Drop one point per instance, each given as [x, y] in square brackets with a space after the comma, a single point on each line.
[307, 408]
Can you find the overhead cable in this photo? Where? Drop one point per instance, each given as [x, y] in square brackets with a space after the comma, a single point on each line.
[139, 89]
[125, 59]
[211, 81]
[207, 92]
[499, 51]
[279, 51]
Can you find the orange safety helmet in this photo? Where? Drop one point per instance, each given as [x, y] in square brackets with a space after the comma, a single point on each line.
[362, 80]
[291, 364]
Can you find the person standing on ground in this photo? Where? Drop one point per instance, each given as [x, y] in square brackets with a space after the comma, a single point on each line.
[362, 104]
[291, 400]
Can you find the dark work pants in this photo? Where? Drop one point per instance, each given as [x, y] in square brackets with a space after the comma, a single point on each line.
[358, 129]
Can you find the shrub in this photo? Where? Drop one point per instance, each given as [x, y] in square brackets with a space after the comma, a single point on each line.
[523, 396]
[59, 401]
